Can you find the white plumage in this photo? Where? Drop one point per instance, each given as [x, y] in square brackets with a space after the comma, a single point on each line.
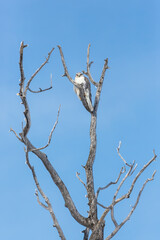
[84, 93]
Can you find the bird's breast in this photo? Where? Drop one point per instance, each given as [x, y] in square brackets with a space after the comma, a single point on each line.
[79, 80]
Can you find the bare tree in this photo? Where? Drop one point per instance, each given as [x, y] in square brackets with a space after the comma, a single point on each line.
[94, 226]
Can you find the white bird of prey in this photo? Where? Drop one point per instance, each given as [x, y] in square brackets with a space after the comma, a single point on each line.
[84, 93]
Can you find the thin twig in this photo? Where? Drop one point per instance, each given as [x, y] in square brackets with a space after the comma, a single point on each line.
[140, 172]
[37, 71]
[134, 169]
[66, 74]
[50, 135]
[40, 89]
[121, 183]
[111, 183]
[20, 139]
[77, 175]
[118, 148]
[38, 200]
[101, 205]
[88, 68]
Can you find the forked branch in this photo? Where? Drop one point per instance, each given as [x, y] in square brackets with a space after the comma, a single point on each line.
[37, 71]
[48, 206]
[132, 210]
[125, 196]
[88, 68]
[111, 183]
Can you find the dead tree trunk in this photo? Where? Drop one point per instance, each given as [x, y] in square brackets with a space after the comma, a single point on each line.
[94, 227]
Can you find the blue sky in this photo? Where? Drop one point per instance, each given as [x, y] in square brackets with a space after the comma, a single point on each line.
[127, 33]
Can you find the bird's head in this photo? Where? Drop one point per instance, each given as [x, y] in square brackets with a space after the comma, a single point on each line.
[79, 74]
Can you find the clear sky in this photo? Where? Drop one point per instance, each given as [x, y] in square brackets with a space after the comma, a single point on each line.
[127, 32]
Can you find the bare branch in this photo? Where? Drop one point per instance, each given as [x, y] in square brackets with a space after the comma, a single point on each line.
[49, 206]
[113, 218]
[114, 202]
[22, 95]
[88, 68]
[77, 175]
[50, 136]
[121, 183]
[40, 89]
[101, 205]
[38, 200]
[118, 148]
[99, 89]
[111, 183]
[60, 184]
[22, 46]
[20, 139]
[140, 172]
[133, 208]
[66, 74]
[134, 169]
[37, 71]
